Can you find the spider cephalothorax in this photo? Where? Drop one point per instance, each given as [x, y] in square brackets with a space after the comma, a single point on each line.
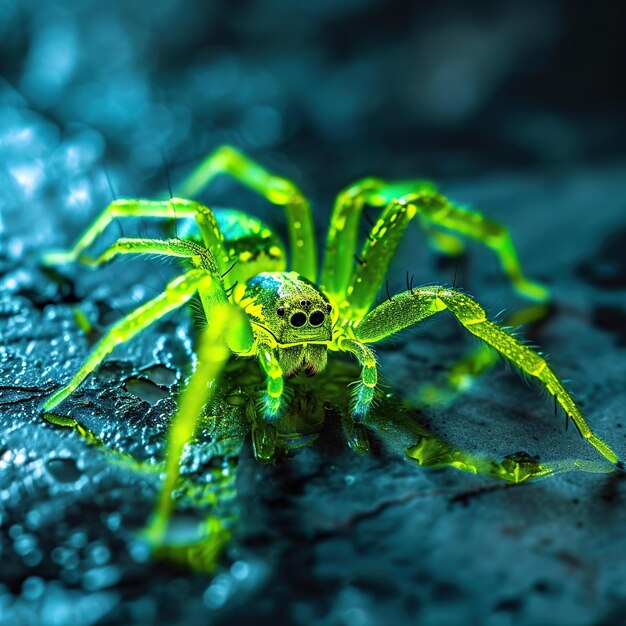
[290, 320]
[289, 313]
[289, 308]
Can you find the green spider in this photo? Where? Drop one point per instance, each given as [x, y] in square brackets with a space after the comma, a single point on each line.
[290, 320]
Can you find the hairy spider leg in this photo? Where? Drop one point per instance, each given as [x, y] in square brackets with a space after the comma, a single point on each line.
[411, 307]
[342, 237]
[366, 388]
[280, 191]
[228, 330]
[170, 247]
[403, 201]
[433, 207]
[273, 397]
[172, 209]
[177, 292]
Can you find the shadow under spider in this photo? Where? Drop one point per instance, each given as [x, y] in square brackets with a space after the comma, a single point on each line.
[207, 490]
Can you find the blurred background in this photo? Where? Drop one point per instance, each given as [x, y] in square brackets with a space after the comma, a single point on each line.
[517, 108]
[323, 91]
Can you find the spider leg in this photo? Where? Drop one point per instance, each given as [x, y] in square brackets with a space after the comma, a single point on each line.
[177, 292]
[174, 208]
[433, 207]
[342, 237]
[227, 160]
[228, 330]
[171, 247]
[410, 307]
[273, 397]
[403, 201]
[366, 387]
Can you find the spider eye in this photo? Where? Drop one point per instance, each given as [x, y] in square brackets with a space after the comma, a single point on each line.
[316, 318]
[280, 311]
[328, 308]
[298, 319]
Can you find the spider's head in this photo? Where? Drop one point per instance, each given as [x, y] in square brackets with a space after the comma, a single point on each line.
[290, 307]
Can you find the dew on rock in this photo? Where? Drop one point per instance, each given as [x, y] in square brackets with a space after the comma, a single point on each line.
[139, 551]
[15, 531]
[24, 544]
[65, 557]
[99, 554]
[32, 558]
[33, 519]
[114, 521]
[160, 375]
[240, 570]
[218, 592]
[78, 539]
[33, 588]
[63, 470]
[146, 390]
[101, 577]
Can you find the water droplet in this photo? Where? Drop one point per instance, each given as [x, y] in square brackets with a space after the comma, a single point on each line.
[100, 554]
[33, 588]
[218, 592]
[101, 577]
[240, 570]
[64, 470]
[78, 539]
[160, 375]
[24, 544]
[146, 390]
[15, 531]
[114, 521]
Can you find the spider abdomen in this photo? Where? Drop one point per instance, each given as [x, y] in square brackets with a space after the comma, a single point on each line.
[247, 240]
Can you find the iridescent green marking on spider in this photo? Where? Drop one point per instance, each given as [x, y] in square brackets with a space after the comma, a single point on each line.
[284, 319]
